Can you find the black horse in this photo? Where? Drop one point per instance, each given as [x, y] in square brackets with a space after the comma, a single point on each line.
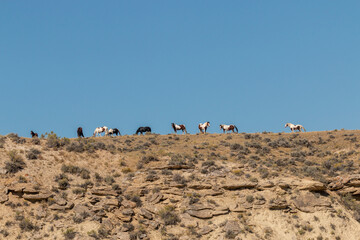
[142, 130]
[33, 134]
[80, 132]
[114, 131]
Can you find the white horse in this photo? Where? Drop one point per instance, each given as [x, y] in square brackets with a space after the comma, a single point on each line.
[228, 128]
[100, 130]
[203, 127]
[295, 127]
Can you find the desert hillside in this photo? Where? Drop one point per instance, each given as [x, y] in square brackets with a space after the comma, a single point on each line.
[213, 186]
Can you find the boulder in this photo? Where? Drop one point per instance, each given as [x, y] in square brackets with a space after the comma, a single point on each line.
[308, 202]
[205, 230]
[156, 198]
[128, 204]
[278, 203]
[232, 226]
[145, 213]
[312, 186]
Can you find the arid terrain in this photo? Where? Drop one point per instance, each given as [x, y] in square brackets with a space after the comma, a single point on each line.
[212, 186]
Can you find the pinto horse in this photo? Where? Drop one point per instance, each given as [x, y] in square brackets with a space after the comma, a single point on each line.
[179, 127]
[228, 128]
[295, 127]
[142, 130]
[114, 131]
[100, 130]
[33, 134]
[80, 132]
[203, 127]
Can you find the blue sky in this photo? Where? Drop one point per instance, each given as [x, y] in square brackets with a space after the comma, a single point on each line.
[125, 64]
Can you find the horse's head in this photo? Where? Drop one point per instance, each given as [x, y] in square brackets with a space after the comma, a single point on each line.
[286, 125]
[221, 126]
[208, 124]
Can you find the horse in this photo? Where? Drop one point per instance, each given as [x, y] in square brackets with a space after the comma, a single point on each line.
[228, 128]
[179, 127]
[100, 130]
[203, 127]
[114, 131]
[142, 130]
[295, 127]
[33, 134]
[80, 132]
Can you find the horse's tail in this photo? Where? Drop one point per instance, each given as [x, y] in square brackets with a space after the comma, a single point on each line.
[303, 128]
[236, 129]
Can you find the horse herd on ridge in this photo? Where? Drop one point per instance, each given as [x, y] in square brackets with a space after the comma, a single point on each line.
[202, 128]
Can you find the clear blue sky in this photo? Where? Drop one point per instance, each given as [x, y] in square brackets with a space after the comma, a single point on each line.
[125, 64]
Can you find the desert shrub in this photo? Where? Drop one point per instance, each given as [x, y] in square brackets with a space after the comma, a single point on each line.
[194, 198]
[26, 225]
[63, 181]
[15, 138]
[168, 215]
[53, 141]
[250, 198]
[2, 141]
[35, 141]
[109, 180]
[75, 170]
[230, 234]
[79, 191]
[22, 179]
[351, 203]
[253, 145]
[69, 234]
[264, 172]
[208, 163]
[236, 147]
[263, 151]
[15, 164]
[152, 176]
[177, 159]
[136, 199]
[179, 179]
[76, 147]
[33, 154]
[281, 142]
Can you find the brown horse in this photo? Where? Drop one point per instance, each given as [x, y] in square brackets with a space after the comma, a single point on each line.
[179, 127]
[33, 134]
[80, 132]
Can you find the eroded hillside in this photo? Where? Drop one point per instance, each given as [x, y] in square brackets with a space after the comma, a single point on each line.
[228, 186]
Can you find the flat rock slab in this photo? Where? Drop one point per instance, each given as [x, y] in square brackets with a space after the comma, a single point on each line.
[312, 186]
[202, 214]
[57, 207]
[104, 192]
[239, 185]
[200, 186]
[37, 197]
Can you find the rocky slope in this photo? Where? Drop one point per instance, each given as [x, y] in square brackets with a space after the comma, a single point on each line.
[229, 186]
